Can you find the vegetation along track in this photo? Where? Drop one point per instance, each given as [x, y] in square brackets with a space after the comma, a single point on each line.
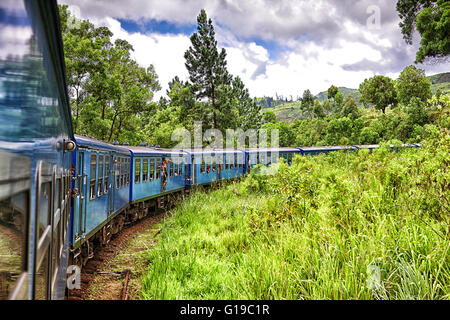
[106, 276]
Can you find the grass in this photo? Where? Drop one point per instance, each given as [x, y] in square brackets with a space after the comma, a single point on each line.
[357, 226]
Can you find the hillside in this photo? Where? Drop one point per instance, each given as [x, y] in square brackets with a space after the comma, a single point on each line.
[289, 111]
[322, 96]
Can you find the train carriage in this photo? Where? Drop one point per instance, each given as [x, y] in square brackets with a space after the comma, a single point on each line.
[147, 168]
[267, 156]
[36, 141]
[315, 151]
[102, 189]
[210, 165]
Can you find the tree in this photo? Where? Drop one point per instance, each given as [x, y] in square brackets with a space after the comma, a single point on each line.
[431, 18]
[307, 102]
[350, 109]
[318, 109]
[338, 101]
[206, 66]
[269, 116]
[332, 91]
[413, 83]
[110, 93]
[249, 112]
[380, 91]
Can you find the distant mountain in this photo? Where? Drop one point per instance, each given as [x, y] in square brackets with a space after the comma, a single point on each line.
[440, 81]
[440, 78]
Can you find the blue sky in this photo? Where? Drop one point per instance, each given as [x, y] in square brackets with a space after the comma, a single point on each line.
[276, 47]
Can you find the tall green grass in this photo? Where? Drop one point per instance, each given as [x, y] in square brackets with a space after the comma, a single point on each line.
[355, 226]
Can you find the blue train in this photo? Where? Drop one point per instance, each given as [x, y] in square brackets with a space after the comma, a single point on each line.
[61, 194]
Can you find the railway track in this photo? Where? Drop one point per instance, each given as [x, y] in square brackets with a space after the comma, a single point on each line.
[105, 253]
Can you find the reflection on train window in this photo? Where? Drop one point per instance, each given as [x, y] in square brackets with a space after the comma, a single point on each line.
[44, 207]
[44, 236]
[13, 221]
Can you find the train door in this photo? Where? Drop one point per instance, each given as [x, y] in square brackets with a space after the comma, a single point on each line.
[80, 202]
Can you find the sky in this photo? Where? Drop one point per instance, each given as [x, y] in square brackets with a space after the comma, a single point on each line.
[277, 47]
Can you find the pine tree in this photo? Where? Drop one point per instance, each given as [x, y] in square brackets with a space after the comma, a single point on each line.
[206, 66]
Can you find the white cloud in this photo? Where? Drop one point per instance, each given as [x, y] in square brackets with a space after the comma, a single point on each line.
[325, 42]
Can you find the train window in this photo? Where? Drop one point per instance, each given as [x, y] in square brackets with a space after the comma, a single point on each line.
[107, 174]
[123, 173]
[158, 168]
[235, 161]
[214, 164]
[100, 176]
[56, 199]
[208, 164]
[128, 170]
[263, 159]
[13, 222]
[118, 163]
[137, 170]
[240, 160]
[93, 176]
[202, 166]
[152, 168]
[269, 158]
[170, 168]
[145, 170]
[43, 239]
[180, 167]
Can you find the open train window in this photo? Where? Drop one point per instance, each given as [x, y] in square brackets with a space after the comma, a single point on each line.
[107, 174]
[123, 173]
[208, 164]
[100, 176]
[93, 174]
[118, 169]
[158, 168]
[152, 168]
[137, 170]
[171, 165]
[202, 166]
[127, 170]
[145, 170]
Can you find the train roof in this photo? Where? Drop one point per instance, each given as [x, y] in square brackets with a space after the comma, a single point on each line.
[212, 151]
[280, 149]
[92, 143]
[144, 151]
[326, 148]
[366, 146]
